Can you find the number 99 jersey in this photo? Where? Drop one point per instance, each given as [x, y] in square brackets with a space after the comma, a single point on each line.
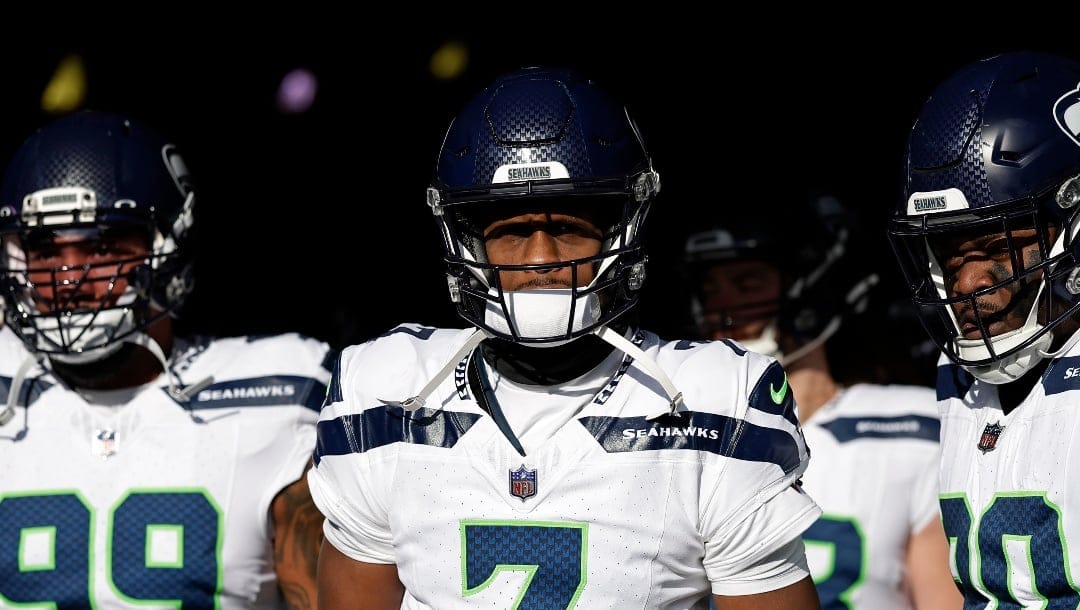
[130, 498]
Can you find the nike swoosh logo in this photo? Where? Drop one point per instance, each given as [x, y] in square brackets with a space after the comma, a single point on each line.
[778, 395]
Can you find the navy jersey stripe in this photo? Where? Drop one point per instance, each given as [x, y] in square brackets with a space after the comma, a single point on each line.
[271, 390]
[846, 429]
[420, 332]
[31, 389]
[378, 427]
[329, 361]
[333, 391]
[1062, 376]
[734, 347]
[717, 434]
[953, 381]
[773, 395]
[696, 431]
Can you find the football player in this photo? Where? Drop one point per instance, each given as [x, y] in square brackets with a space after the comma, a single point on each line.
[986, 235]
[788, 290]
[139, 467]
[554, 454]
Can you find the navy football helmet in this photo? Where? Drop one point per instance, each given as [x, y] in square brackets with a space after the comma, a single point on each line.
[89, 174]
[996, 150]
[819, 286]
[550, 136]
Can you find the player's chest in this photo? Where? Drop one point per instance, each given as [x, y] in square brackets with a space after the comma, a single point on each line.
[569, 478]
[100, 453]
[588, 529]
[986, 453]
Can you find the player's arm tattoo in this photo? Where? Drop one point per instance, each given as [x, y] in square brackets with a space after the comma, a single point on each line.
[297, 538]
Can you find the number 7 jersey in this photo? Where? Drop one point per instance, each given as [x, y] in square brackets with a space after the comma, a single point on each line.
[612, 511]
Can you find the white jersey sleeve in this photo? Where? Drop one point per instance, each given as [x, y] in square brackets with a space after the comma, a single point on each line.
[357, 516]
[767, 564]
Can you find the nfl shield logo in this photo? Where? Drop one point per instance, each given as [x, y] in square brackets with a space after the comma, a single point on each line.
[523, 483]
[103, 443]
[989, 437]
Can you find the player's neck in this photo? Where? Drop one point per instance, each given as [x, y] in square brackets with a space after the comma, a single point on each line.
[545, 365]
[129, 367]
[811, 382]
[1010, 395]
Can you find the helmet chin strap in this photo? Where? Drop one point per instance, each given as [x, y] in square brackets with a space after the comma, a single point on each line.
[830, 330]
[181, 394]
[619, 342]
[1014, 366]
[16, 386]
[1064, 348]
[855, 300]
[415, 402]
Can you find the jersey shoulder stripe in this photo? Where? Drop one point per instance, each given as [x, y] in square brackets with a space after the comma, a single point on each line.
[953, 381]
[1063, 375]
[392, 366]
[718, 434]
[772, 394]
[31, 389]
[266, 391]
[381, 426]
[744, 396]
[710, 432]
[418, 331]
[919, 427]
[333, 389]
[735, 347]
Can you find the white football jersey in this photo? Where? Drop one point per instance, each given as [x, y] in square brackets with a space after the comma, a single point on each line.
[612, 511]
[874, 472]
[129, 498]
[1010, 485]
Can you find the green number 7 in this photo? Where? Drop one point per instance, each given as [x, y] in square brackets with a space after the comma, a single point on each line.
[552, 554]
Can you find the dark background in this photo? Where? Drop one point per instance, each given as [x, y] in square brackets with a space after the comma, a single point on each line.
[317, 223]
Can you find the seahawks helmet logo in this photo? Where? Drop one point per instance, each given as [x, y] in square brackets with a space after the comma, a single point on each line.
[1067, 114]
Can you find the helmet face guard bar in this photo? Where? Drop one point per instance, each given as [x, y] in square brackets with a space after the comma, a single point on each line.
[58, 316]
